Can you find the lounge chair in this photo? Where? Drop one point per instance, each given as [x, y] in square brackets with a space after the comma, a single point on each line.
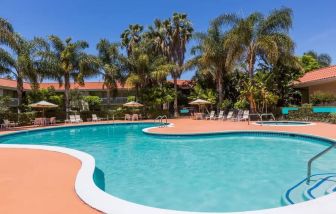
[211, 116]
[245, 116]
[135, 117]
[78, 119]
[220, 115]
[72, 119]
[9, 124]
[128, 117]
[229, 115]
[95, 118]
[52, 121]
[238, 116]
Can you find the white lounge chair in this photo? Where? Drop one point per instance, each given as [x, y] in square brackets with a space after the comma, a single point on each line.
[245, 116]
[52, 121]
[72, 119]
[135, 117]
[9, 124]
[211, 116]
[238, 116]
[220, 115]
[229, 115]
[95, 118]
[78, 119]
[128, 117]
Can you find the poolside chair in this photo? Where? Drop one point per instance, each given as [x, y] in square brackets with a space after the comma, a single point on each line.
[245, 116]
[78, 119]
[95, 118]
[229, 116]
[72, 119]
[9, 124]
[211, 116]
[220, 115]
[238, 116]
[135, 117]
[128, 117]
[52, 121]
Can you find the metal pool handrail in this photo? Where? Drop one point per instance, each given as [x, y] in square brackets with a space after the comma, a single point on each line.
[314, 158]
[160, 118]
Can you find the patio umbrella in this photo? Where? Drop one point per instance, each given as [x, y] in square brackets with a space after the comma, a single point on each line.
[133, 105]
[43, 105]
[200, 103]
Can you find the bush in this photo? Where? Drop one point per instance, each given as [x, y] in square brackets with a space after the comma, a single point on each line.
[94, 102]
[320, 97]
[241, 104]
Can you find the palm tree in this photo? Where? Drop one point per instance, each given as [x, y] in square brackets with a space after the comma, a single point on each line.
[180, 34]
[69, 62]
[112, 68]
[131, 37]
[215, 55]
[170, 38]
[22, 62]
[262, 36]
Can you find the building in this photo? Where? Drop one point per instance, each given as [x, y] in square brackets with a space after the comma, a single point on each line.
[8, 88]
[323, 79]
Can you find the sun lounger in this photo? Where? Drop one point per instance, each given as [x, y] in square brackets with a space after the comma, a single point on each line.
[128, 117]
[220, 115]
[211, 116]
[9, 124]
[135, 117]
[229, 115]
[95, 118]
[245, 116]
[78, 119]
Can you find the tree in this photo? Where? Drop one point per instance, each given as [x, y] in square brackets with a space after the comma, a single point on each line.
[69, 62]
[309, 63]
[131, 37]
[112, 66]
[324, 60]
[215, 55]
[262, 37]
[19, 58]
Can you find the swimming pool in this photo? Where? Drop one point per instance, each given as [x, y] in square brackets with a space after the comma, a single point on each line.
[283, 123]
[223, 172]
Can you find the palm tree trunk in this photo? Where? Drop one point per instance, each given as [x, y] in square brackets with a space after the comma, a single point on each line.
[108, 96]
[219, 90]
[176, 114]
[19, 90]
[66, 94]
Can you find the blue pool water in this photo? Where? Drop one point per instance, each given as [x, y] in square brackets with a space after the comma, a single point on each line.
[227, 172]
[283, 123]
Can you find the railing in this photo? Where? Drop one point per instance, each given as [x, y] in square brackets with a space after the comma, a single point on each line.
[314, 158]
[114, 101]
[160, 119]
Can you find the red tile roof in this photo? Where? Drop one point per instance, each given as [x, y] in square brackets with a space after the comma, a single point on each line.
[317, 75]
[7, 83]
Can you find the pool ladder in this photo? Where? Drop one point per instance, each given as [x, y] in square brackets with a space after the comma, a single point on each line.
[160, 119]
[309, 165]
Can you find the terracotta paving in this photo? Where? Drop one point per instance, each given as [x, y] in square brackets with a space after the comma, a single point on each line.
[39, 182]
[183, 126]
[36, 181]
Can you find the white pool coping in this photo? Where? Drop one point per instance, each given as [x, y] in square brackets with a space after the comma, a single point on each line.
[87, 190]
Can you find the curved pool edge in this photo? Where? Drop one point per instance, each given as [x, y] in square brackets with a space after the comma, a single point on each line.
[87, 190]
[259, 123]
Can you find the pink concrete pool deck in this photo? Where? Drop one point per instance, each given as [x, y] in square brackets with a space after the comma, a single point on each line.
[38, 181]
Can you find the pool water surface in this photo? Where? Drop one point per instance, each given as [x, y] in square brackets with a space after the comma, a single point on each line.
[212, 173]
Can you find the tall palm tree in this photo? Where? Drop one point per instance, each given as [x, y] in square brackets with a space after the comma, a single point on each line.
[215, 55]
[180, 34]
[131, 37]
[19, 59]
[69, 63]
[112, 68]
[262, 36]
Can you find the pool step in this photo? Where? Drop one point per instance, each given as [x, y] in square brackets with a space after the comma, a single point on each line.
[320, 184]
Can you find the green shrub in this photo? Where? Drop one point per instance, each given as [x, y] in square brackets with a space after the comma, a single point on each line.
[94, 102]
[320, 97]
[241, 104]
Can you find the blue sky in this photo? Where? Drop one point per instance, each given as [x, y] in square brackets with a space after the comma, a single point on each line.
[314, 21]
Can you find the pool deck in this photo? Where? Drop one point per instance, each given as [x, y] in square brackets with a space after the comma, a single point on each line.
[38, 181]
